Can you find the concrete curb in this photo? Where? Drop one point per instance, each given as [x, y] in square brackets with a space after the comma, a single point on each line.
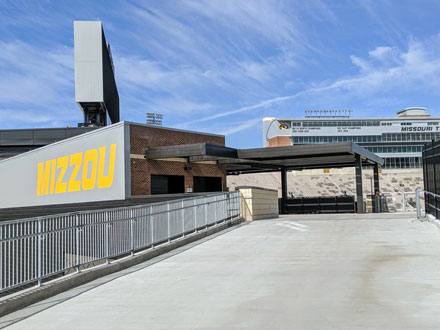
[433, 220]
[35, 295]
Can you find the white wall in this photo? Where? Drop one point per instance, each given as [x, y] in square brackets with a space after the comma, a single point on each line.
[70, 169]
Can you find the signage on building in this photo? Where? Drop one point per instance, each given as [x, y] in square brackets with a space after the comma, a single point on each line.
[85, 168]
[418, 129]
[86, 173]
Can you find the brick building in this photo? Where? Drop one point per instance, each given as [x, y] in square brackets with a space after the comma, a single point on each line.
[108, 164]
[176, 174]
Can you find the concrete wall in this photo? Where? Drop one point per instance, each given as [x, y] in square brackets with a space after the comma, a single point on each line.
[307, 183]
[258, 203]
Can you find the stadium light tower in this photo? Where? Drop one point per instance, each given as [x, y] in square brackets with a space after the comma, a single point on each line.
[155, 119]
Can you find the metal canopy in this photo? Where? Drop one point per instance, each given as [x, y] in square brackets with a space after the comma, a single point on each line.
[298, 157]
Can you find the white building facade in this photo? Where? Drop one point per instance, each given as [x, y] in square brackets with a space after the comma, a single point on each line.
[398, 140]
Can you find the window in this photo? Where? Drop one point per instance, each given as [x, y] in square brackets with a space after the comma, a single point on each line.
[334, 139]
[402, 162]
[207, 183]
[389, 137]
[167, 184]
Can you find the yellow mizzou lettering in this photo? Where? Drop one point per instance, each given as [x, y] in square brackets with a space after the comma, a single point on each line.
[43, 178]
[86, 171]
[105, 181]
[90, 160]
[75, 161]
[60, 186]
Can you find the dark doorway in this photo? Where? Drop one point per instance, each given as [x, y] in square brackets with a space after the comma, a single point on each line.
[207, 183]
[167, 184]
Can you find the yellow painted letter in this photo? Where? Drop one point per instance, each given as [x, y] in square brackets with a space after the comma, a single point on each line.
[52, 175]
[43, 178]
[106, 181]
[60, 186]
[91, 156]
[75, 185]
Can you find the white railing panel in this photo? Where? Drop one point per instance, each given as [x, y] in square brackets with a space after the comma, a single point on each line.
[38, 248]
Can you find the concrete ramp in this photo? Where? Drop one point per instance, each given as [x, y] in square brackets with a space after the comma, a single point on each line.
[296, 272]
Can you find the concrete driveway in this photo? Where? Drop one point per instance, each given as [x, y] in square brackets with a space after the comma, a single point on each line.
[296, 272]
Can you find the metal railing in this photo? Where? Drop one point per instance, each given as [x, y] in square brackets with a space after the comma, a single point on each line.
[432, 203]
[35, 249]
[408, 203]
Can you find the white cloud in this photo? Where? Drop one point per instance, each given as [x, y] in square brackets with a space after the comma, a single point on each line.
[178, 107]
[138, 72]
[362, 64]
[30, 75]
[417, 68]
[268, 19]
[38, 116]
[241, 126]
[380, 52]
[36, 85]
[382, 14]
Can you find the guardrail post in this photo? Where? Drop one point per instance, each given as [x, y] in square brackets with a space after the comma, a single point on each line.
[183, 218]
[215, 211]
[107, 238]
[206, 211]
[131, 233]
[195, 214]
[419, 211]
[228, 206]
[152, 226]
[77, 242]
[238, 197]
[1, 258]
[39, 252]
[168, 221]
[404, 201]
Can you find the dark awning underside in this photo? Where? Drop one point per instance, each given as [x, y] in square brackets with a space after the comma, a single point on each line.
[297, 157]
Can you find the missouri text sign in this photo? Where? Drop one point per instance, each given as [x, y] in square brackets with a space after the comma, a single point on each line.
[85, 168]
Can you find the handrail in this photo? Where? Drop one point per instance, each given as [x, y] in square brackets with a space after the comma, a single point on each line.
[35, 249]
[418, 204]
[66, 214]
[430, 193]
[429, 204]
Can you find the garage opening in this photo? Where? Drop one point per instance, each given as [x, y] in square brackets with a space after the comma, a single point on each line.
[167, 184]
[207, 183]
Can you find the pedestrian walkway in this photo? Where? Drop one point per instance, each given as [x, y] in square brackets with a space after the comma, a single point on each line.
[368, 271]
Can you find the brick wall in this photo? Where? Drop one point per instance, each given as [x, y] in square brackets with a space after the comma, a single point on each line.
[142, 137]
[280, 141]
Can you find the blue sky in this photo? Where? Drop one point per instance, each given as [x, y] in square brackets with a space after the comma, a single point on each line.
[221, 66]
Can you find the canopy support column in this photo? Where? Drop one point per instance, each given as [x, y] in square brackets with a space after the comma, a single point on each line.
[376, 179]
[359, 191]
[283, 191]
